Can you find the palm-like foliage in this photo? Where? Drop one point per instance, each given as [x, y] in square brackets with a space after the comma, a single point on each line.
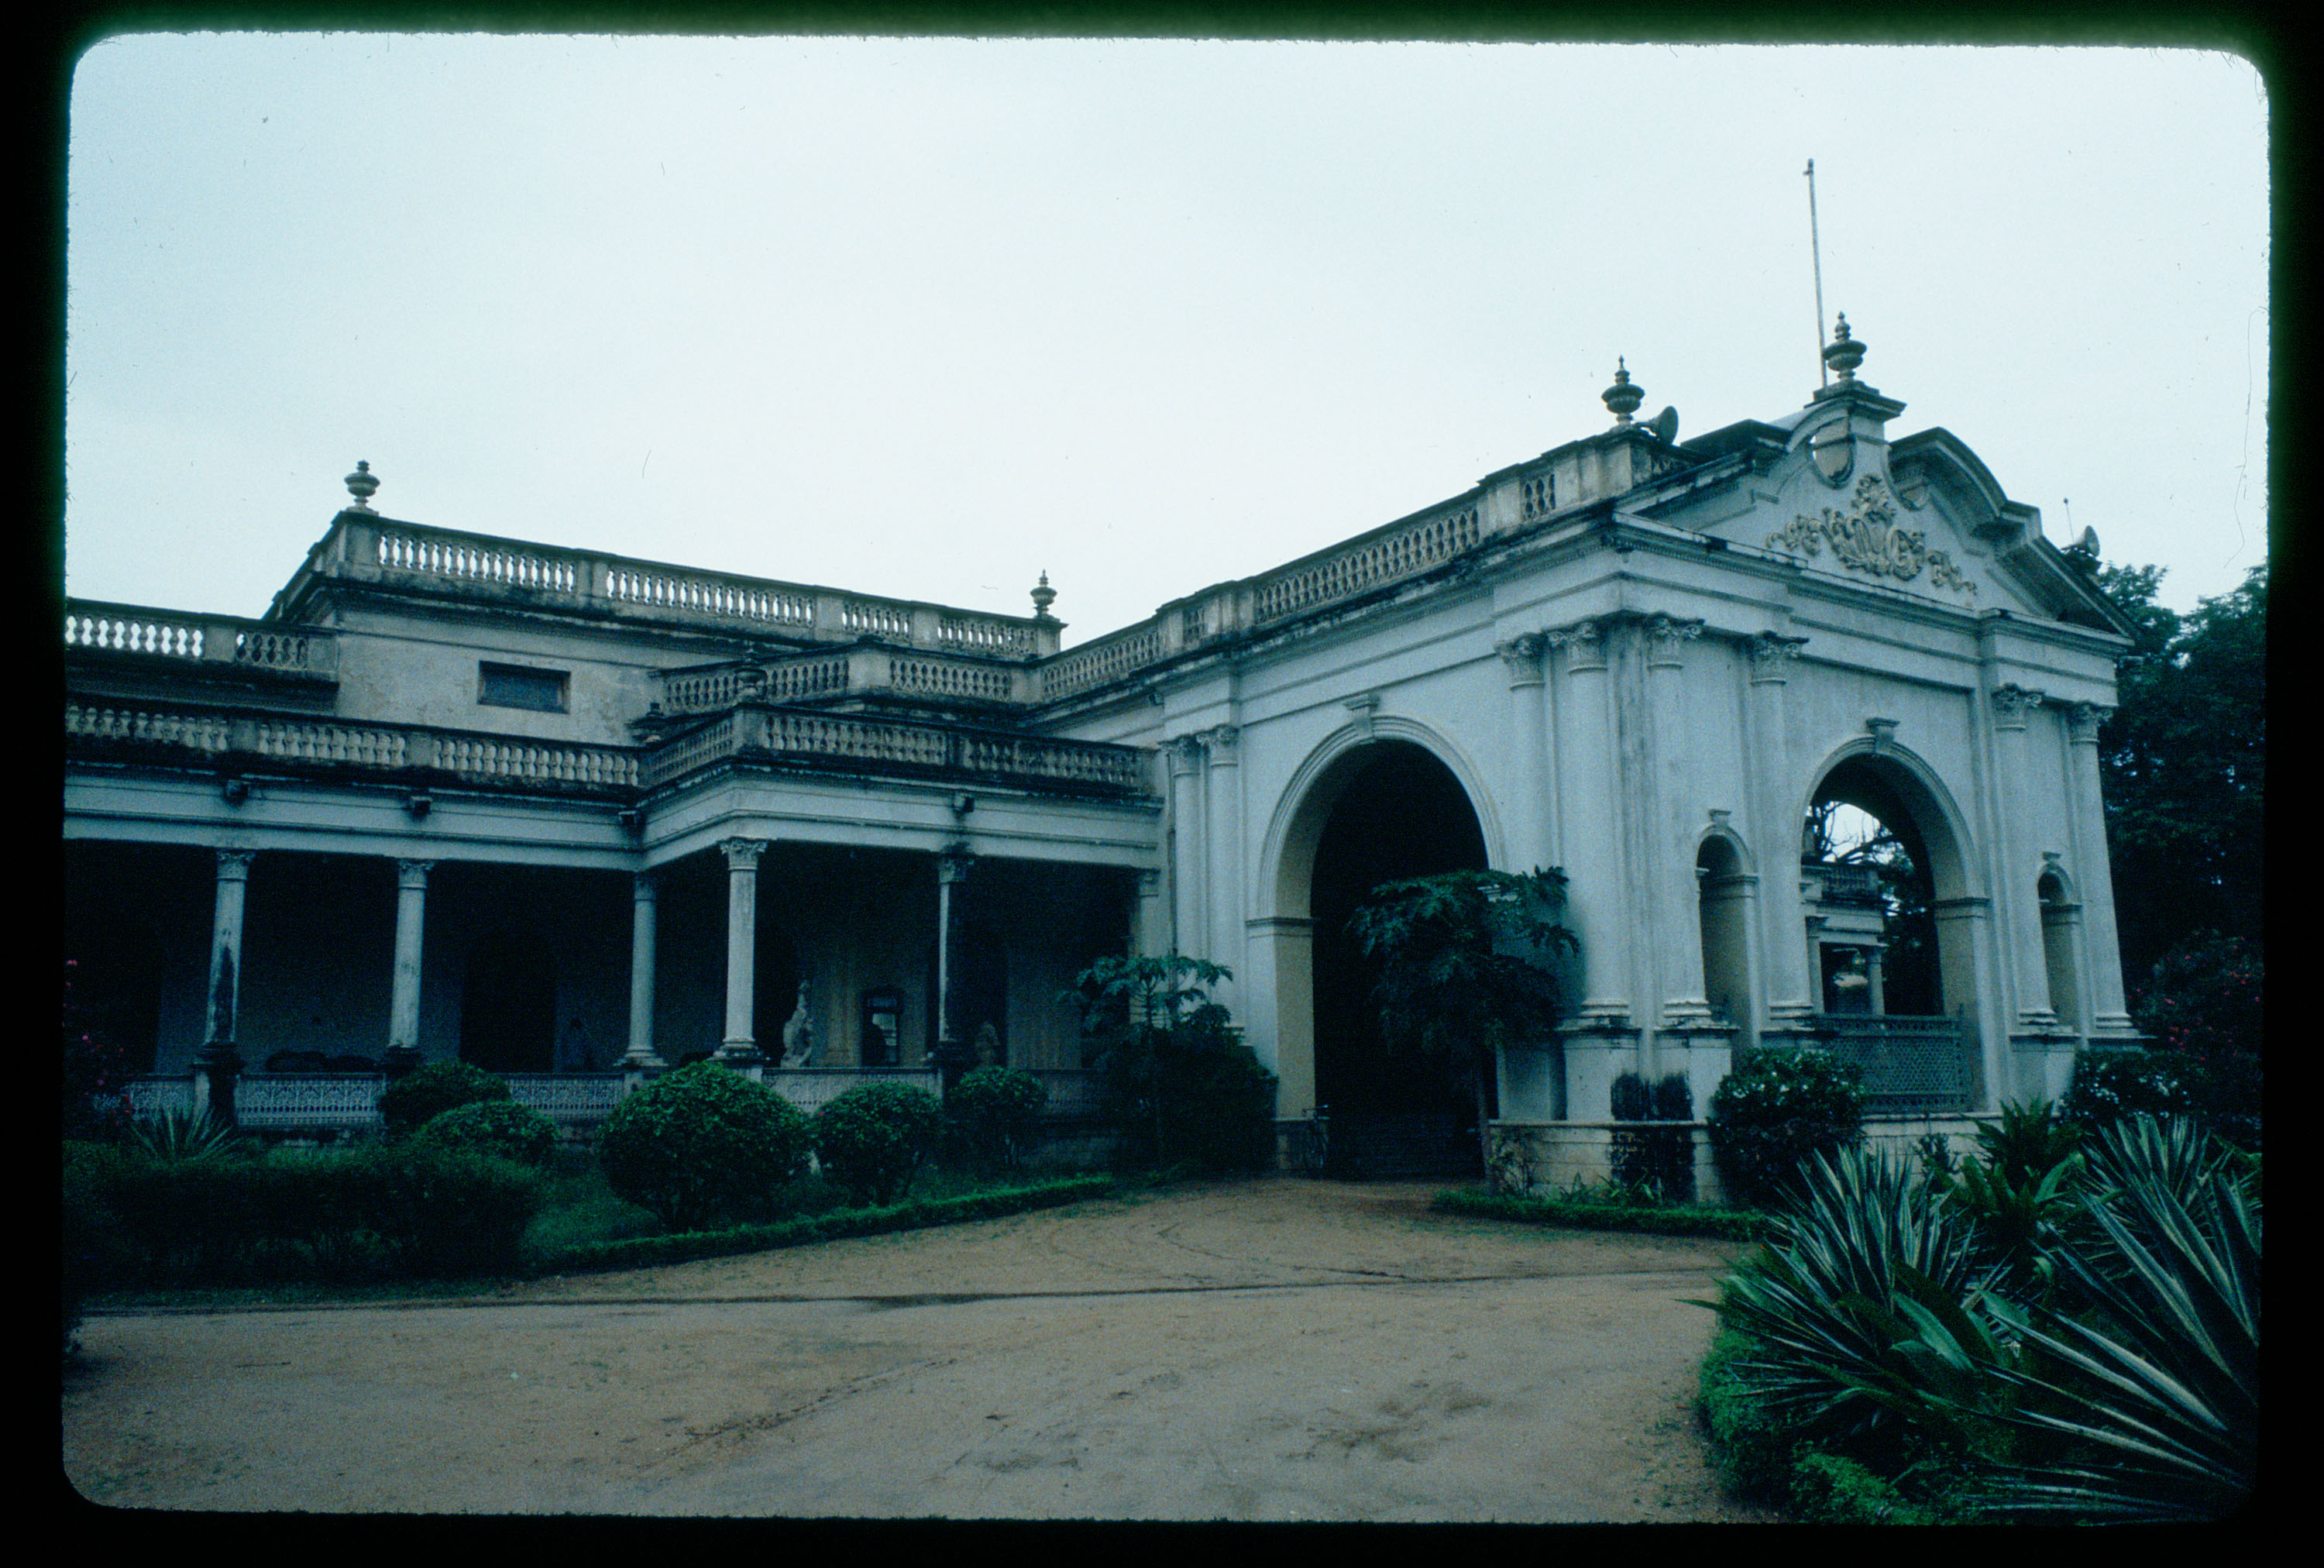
[1863, 1239]
[2115, 1376]
[179, 1134]
[2159, 1406]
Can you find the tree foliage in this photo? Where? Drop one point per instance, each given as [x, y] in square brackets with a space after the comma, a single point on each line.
[1178, 1078]
[1462, 965]
[2183, 760]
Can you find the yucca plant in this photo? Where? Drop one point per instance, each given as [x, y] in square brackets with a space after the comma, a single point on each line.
[2028, 1141]
[1862, 1235]
[179, 1134]
[2158, 1404]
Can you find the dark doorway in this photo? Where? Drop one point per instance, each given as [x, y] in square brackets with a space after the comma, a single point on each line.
[1859, 818]
[508, 1004]
[1403, 815]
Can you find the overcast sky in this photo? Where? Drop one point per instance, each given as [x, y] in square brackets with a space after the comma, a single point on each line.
[926, 318]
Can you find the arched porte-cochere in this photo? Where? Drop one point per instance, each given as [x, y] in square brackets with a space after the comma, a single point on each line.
[1893, 932]
[1380, 812]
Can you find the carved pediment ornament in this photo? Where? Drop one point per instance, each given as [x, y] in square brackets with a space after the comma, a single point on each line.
[1866, 539]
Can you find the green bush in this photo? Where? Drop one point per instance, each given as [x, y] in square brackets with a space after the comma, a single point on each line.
[1777, 1109]
[496, 1126]
[1829, 1490]
[1179, 1082]
[426, 1092]
[873, 1138]
[374, 1210]
[176, 1135]
[996, 1112]
[2220, 1093]
[702, 1144]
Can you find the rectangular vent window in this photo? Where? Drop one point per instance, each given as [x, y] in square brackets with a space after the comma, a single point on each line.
[505, 686]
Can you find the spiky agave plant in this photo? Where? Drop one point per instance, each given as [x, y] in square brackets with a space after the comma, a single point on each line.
[179, 1134]
[1862, 1233]
[2155, 1402]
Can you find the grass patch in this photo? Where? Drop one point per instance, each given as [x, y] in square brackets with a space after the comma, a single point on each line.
[1594, 1213]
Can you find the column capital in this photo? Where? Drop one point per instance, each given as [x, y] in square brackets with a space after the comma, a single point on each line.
[1771, 657]
[2082, 722]
[1522, 655]
[413, 873]
[643, 886]
[1149, 881]
[953, 864]
[1185, 753]
[1583, 643]
[743, 854]
[2011, 704]
[1665, 638]
[1221, 740]
[233, 864]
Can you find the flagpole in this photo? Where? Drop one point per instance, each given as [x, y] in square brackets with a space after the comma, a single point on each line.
[1816, 248]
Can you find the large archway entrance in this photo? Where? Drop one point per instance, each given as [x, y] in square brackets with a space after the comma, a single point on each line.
[1389, 811]
[1890, 934]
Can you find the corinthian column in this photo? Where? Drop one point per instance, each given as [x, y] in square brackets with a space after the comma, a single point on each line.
[218, 1061]
[1528, 760]
[1223, 807]
[642, 1053]
[403, 998]
[2109, 1012]
[1189, 932]
[739, 1048]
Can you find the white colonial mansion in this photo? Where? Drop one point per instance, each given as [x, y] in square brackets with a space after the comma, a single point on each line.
[574, 817]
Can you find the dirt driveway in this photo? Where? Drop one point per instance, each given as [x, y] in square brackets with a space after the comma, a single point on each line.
[1272, 1350]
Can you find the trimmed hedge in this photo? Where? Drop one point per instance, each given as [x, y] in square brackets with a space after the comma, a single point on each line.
[495, 1127]
[373, 1211]
[996, 1113]
[426, 1092]
[873, 1138]
[1673, 1219]
[646, 1251]
[701, 1144]
[1774, 1110]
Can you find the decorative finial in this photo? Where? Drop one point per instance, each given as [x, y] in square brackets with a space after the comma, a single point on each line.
[1622, 397]
[362, 486]
[1043, 597]
[1843, 353]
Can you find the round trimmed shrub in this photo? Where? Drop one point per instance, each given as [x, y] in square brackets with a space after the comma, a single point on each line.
[494, 1126]
[2220, 1093]
[996, 1111]
[701, 1145]
[873, 1138]
[426, 1093]
[1774, 1110]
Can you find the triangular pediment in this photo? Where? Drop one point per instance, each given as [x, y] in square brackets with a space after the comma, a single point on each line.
[1921, 516]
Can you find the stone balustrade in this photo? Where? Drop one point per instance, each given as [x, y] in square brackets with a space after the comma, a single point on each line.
[332, 743]
[94, 627]
[757, 730]
[588, 581]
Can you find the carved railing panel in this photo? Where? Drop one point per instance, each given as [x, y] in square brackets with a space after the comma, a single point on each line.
[568, 1096]
[709, 593]
[488, 757]
[1911, 1065]
[1074, 1091]
[796, 678]
[1001, 638]
[1430, 542]
[875, 743]
[133, 631]
[168, 634]
[316, 741]
[319, 1101]
[943, 677]
[554, 571]
[812, 1088]
[195, 732]
[1108, 659]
